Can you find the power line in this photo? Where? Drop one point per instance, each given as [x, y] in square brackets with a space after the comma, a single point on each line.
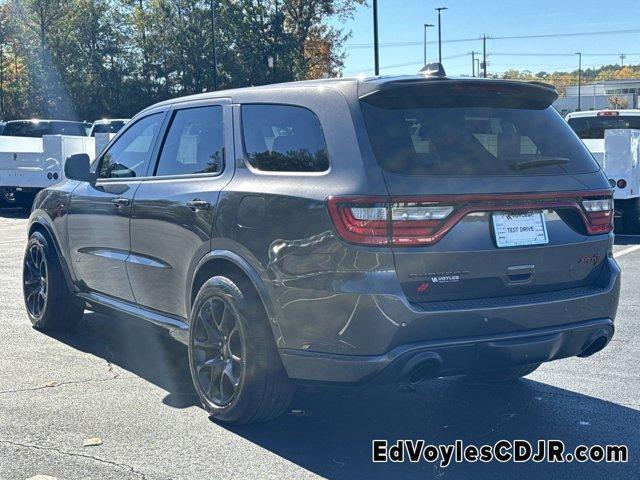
[512, 37]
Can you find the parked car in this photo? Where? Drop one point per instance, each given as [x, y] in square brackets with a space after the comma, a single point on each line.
[37, 128]
[349, 230]
[613, 137]
[107, 125]
[32, 156]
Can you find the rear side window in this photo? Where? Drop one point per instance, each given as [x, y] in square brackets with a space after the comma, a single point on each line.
[471, 136]
[594, 127]
[129, 155]
[283, 138]
[194, 142]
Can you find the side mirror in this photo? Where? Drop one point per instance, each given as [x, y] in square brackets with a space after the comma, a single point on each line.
[76, 167]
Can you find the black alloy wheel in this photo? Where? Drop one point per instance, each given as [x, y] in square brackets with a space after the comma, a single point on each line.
[35, 280]
[218, 351]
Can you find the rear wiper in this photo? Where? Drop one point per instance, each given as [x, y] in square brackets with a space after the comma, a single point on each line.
[536, 162]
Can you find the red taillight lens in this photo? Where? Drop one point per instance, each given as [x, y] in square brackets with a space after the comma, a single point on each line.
[361, 220]
[622, 183]
[408, 221]
[379, 221]
[599, 215]
[415, 223]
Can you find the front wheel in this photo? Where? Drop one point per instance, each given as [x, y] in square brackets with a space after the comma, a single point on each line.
[233, 359]
[49, 303]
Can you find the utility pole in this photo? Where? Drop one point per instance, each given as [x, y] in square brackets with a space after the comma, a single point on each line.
[478, 67]
[484, 55]
[214, 62]
[376, 62]
[439, 10]
[426, 25]
[579, 77]
[622, 57]
[473, 63]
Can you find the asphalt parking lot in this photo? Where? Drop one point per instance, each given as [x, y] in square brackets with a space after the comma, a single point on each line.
[125, 384]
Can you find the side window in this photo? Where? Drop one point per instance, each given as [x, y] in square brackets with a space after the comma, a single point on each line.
[194, 142]
[129, 155]
[282, 138]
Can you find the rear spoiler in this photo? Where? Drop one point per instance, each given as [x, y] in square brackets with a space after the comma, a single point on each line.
[445, 92]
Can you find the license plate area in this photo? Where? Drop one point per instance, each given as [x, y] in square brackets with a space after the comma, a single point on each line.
[518, 229]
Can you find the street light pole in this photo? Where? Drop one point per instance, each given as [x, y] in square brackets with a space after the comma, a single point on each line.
[579, 77]
[214, 66]
[376, 62]
[439, 10]
[426, 25]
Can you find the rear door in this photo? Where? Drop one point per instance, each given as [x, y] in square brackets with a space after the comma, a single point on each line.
[174, 209]
[98, 220]
[490, 189]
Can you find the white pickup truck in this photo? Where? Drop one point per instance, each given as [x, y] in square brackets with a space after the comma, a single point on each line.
[27, 165]
[613, 138]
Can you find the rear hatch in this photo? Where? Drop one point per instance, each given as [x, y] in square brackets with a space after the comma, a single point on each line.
[491, 194]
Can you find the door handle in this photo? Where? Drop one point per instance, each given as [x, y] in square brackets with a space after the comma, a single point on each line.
[120, 202]
[197, 204]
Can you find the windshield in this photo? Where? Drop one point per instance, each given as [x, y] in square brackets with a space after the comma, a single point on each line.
[474, 140]
[593, 128]
[111, 127]
[38, 129]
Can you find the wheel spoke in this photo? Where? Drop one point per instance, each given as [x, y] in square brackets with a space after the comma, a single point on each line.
[227, 323]
[234, 345]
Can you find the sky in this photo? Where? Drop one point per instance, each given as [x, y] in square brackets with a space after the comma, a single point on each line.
[401, 21]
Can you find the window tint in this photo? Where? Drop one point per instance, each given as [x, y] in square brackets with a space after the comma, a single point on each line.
[283, 138]
[474, 141]
[594, 127]
[111, 127]
[38, 129]
[194, 143]
[129, 155]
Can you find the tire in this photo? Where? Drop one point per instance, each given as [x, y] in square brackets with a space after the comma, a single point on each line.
[49, 303]
[504, 374]
[233, 359]
[7, 200]
[631, 216]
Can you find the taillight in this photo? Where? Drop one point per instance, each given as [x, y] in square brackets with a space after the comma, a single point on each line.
[622, 183]
[599, 215]
[408, 221]
[380, 221]
[415, 223]
[361, 220]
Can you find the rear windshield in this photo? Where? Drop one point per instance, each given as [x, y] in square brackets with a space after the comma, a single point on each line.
[38, 129]
[456, 139]
[111, 127]
[594, 127]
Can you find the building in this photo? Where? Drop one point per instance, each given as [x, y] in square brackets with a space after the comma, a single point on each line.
[595, 96]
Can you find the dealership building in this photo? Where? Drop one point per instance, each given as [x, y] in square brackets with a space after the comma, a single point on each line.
[595, 96]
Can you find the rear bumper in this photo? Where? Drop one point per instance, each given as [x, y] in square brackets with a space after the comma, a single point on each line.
[452, 357]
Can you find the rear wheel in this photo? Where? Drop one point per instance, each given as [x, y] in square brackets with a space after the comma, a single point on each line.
[631, 216]
[49, 303]
[7, 198]
[504, 374]
[233, 359]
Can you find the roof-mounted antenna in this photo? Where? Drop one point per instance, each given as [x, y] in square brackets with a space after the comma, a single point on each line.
[434, 69]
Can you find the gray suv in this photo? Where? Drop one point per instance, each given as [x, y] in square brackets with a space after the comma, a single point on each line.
[343, 230]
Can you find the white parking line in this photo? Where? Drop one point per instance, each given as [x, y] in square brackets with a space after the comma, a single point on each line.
[624, 251]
